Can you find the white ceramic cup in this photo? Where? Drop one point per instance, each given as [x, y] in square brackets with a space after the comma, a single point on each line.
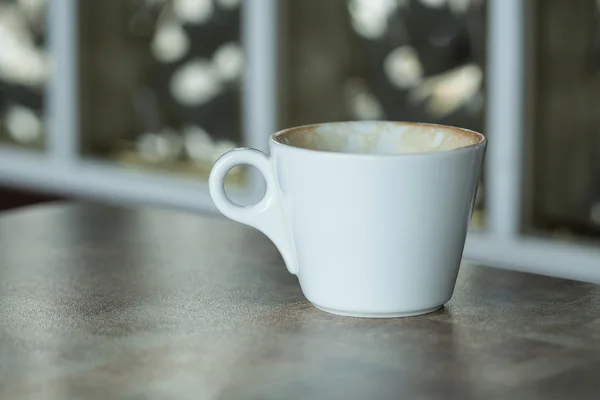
[371, 216]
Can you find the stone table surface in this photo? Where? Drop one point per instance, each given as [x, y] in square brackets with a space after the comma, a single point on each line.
[108, 303]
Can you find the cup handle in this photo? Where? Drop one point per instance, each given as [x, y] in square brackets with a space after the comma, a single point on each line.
[266, 215]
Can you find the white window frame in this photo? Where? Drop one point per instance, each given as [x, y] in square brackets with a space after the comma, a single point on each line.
[61, 170]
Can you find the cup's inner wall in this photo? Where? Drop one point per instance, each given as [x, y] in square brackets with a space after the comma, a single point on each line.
[378, 137]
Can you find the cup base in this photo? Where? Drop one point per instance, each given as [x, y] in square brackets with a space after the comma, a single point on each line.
[346, 313]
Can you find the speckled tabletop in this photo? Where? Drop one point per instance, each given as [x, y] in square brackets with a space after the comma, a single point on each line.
[108, 303]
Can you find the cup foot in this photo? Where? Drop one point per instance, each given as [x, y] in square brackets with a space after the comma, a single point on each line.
[346, 313]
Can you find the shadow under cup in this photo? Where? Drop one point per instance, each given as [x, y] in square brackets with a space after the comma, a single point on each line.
[371, 216]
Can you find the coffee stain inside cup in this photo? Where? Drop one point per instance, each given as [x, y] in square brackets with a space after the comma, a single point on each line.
[379, 137]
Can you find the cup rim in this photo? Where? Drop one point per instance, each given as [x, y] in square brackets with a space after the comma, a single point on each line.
[482, 140]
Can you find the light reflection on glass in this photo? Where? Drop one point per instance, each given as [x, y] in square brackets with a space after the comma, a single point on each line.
[403, 67]
[370, 17]
[24, 70]
[170, 43]
[229, 61]
[445, 93]
[193, 11]
[184, 85]
[362, 104]
[195, 83]
[430, 54]
[23, 125]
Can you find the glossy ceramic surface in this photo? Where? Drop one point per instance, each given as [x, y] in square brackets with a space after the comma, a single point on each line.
[374, 224]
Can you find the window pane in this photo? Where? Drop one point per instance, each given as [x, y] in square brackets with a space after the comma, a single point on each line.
[24, 70]
[415, 60]
[160, 82]
[566, 146]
